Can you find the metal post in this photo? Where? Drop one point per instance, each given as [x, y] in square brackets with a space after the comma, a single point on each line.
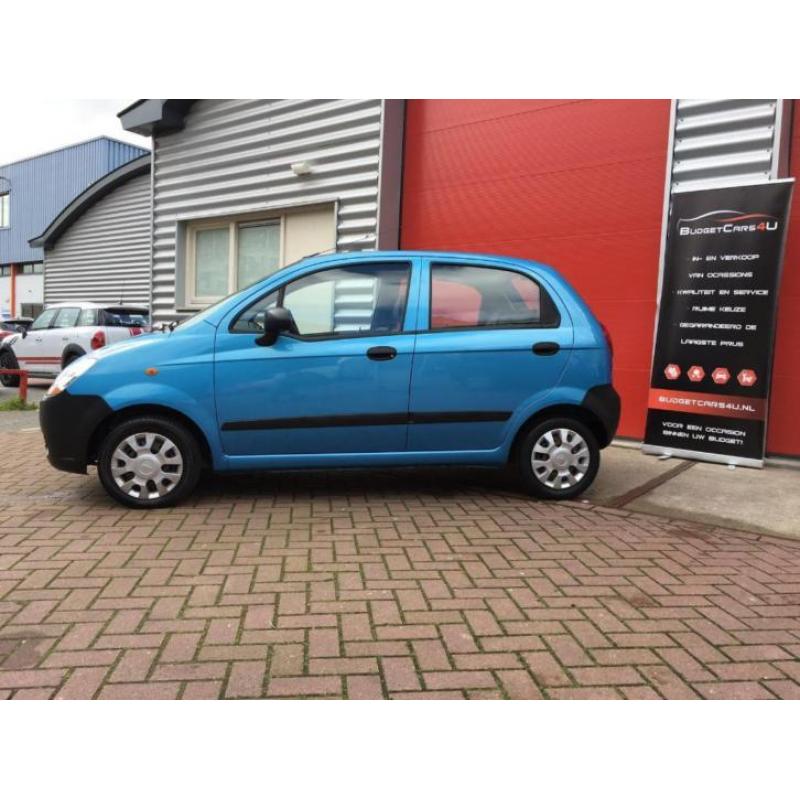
[23, 381]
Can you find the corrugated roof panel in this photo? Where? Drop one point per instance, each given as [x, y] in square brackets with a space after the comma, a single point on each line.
[41, 186]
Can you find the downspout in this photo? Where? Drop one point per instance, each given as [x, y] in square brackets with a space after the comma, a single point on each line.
[14, 291]
[390, 174]
[152, 222]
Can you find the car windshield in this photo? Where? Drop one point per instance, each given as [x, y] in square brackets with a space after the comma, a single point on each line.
[201, 315]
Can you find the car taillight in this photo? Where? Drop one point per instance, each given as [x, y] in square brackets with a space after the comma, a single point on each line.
[98, 340]
[135, 331]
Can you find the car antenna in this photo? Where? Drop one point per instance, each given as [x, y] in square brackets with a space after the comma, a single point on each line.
[364, 238]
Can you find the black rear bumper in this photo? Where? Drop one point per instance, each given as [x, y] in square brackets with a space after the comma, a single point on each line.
[603, 401]
[68, 422]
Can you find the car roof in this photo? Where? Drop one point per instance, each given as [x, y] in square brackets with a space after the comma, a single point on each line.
[376, 255]
[371, 254]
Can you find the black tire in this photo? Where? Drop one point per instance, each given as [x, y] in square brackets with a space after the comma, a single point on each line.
[169, 431]
[9, 361]
[572, 463]
[68, 358]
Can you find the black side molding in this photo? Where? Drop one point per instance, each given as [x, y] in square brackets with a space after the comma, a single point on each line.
[603, 401]
[353, 420]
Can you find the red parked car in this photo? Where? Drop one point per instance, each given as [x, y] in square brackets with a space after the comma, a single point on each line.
[8, 327]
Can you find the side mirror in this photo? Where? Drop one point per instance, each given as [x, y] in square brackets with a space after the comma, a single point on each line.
[23, 330]
[275, 321]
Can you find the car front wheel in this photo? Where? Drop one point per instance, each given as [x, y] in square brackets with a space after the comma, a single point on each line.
[149, 462]
[8, 361]
[559, 459]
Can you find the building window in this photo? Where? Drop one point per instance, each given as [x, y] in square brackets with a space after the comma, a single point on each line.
[258, 251]
[31, 309]
[5, 271]
[5, 209]
[225, 255]
[32, 269]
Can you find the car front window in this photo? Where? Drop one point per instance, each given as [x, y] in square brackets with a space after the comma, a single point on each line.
[44, 319]
[341, 301]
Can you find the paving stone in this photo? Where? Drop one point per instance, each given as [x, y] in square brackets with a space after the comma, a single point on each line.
[379, 584]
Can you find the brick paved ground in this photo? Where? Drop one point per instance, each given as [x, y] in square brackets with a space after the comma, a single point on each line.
[368, 585]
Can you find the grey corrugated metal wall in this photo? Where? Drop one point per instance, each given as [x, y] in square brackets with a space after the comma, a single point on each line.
[724, 142]
[104, 256]
[717, 143]
[235, 156]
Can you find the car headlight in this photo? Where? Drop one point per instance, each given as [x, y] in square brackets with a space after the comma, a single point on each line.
[70, 374]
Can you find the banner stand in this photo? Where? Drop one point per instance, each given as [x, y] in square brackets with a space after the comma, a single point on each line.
[713, 350]
[696, 455]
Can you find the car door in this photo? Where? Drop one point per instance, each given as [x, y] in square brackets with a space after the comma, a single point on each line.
[65, 331]
[338, 386]
[37, 351]
[492, 340]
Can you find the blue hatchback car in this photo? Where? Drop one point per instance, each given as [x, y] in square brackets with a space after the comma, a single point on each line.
[350, 360]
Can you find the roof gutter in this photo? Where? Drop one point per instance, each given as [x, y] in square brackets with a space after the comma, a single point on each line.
[85, 200]
[153, 117]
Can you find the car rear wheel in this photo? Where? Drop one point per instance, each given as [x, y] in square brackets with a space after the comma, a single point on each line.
[149, 462]
[68, 358]
[559, 459]
[8, 361]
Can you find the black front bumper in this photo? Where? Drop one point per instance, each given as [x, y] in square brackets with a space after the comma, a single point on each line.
[603, 401]
[68, 422]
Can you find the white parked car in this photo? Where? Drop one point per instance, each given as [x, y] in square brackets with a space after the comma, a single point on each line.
[66, 331]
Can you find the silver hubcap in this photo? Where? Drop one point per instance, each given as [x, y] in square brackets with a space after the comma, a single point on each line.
[560, 458]
[147, 465]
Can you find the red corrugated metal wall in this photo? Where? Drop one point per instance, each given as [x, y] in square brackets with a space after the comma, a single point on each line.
[578, 184]
[783, 435]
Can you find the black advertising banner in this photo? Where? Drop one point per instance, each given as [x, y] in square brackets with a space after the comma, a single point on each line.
[713, 351]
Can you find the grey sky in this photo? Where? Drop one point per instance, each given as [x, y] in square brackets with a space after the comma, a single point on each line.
[35, 126]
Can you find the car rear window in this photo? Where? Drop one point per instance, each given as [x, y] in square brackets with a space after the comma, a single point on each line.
[475, 296]
[126, 317]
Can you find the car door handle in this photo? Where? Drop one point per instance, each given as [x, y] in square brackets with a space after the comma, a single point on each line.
[546, 348]
[381, 353]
